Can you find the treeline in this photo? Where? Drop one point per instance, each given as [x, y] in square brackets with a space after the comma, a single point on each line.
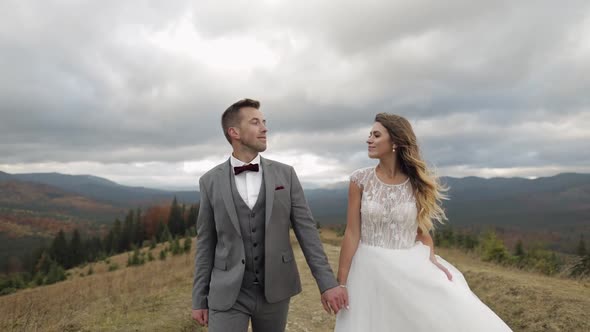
[490, 248]
[174, 248]
[47, 265]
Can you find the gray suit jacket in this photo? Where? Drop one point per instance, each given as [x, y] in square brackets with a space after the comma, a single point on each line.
[219, 262]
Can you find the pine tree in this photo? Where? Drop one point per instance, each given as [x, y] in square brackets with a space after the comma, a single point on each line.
[191, 218]
[38, 279]
[192, 231]
[44, 263]
[135, 259]
[519, 250]
[56, 273]
[59, 249]
[160, 231]
[174, 246]
[175, 220]
[183, 214]
[127, 232]
[582, 267]
[187, 244]
[31, 264]
[76, 251]
[493, 248]
[107, 244]
[165, 235]
[116, 240]
[139, 228]
[93, 249]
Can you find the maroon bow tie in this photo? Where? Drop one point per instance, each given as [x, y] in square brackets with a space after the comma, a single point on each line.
[249, 167]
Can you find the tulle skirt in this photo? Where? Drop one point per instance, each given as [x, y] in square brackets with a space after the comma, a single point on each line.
[401, 290]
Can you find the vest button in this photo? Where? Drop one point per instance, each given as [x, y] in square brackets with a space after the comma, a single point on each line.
[255, 244]
[252, 215]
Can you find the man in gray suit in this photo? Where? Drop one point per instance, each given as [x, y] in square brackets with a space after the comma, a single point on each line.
[244, 266]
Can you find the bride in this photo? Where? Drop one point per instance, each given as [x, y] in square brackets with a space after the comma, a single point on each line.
[393, 279]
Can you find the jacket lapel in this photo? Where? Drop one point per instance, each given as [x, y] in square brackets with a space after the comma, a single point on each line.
[224, 174]
[269, 182]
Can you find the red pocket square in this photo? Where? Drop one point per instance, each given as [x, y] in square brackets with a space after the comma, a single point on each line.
[279, 188]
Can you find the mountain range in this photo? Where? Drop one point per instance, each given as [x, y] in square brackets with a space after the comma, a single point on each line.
[102, 189]
[553, 210]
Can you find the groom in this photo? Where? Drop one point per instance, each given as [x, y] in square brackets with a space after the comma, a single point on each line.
[244, 266]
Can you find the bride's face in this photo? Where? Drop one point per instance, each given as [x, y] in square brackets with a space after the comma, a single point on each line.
[379, 142]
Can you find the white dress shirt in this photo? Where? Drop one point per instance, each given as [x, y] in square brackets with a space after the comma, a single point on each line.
[248, 183]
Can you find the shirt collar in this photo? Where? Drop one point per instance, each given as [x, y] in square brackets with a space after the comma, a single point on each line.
[235, 162]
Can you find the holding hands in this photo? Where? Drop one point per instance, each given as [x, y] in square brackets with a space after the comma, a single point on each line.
[335, 299]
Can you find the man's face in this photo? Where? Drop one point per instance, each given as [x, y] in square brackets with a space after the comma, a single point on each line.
[252, 129]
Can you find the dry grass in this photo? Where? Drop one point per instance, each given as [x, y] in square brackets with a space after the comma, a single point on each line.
[527, 301]
[156, 297]
[152, 297]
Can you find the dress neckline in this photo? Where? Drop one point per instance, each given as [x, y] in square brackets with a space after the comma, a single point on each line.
[387, 184]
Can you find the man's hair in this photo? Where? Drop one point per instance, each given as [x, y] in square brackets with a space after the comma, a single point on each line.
[231, 117]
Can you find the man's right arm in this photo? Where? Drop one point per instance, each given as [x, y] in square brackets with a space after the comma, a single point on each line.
[206, 242]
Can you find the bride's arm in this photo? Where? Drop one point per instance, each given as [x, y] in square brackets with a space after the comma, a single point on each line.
[427, 240]
[352, 234]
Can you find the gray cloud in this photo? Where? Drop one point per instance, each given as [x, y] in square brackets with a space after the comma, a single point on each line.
[497, 85]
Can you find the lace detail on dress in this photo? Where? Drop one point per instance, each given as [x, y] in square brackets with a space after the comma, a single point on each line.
[388, 212]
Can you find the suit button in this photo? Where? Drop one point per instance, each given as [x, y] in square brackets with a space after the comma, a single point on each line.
[256, 271]
[255, 244]
[254, 230]
[256, 258]
[243, 261]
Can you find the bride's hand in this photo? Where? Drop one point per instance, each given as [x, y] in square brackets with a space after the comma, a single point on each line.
[442, 267]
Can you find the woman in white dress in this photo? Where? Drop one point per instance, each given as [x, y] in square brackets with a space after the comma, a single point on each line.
[394, 280]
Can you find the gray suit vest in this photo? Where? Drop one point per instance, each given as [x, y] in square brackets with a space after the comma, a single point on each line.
[252, 226]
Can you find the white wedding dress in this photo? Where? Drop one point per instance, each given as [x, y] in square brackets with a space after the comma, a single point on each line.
[392, 284]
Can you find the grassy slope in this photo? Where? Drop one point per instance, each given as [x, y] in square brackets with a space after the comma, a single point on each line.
[156, 297]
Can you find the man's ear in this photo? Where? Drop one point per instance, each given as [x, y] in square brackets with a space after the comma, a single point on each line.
[234, 133]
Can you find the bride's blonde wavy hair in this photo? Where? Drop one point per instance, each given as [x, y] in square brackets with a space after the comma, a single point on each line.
[428, 190]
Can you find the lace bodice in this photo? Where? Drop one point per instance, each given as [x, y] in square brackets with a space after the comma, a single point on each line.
[388, 212]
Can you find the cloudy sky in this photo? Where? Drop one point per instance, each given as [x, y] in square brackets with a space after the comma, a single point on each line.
[133, 90]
